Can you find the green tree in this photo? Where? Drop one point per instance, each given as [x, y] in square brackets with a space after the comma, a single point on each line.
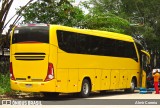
[106, 22]
[54, 12]
[102, 18]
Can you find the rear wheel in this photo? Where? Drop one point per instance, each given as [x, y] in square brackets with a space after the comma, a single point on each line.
[132, 87]
[85, 89]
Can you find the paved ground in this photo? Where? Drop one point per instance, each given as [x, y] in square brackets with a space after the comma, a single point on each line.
[121, 95]
[63, 100]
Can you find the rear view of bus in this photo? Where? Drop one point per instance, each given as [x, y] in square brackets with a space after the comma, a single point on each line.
[31, 68]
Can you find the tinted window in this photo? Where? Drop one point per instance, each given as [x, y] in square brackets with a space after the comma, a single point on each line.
[83, 44]
[31, 34]
[130, 51]
[95, 45]
[86, 44]
[125, 49]
[67, 41]
[104, 46]
[120, 48]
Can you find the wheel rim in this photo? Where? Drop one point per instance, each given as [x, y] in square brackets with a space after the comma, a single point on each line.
[85, 88]
[132, 85]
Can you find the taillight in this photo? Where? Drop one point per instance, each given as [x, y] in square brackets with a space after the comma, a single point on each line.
[50, 73]
[11, 72]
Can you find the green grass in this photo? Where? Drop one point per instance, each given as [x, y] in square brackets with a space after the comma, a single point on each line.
[5, 83]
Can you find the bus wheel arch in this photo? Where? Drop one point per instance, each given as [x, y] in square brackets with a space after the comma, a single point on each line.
[86, 87]
[133, 85]
[135, 79]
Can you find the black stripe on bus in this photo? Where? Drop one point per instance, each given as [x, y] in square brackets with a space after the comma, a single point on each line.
[28, 53]
[29, 59]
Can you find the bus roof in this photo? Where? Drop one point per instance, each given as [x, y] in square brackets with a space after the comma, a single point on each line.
[99, 33]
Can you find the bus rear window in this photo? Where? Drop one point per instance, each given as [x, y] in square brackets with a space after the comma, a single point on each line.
[31, 34]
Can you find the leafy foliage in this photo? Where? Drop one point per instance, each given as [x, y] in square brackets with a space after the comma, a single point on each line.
[54, 12]
[64, 13]
[107, 22]
[102, 18]
[4, 83]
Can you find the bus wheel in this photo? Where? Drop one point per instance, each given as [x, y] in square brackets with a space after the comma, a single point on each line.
[50, 95]
[132, 87]
[85, 89]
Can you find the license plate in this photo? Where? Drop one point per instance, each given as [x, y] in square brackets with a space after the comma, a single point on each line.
[28, 85]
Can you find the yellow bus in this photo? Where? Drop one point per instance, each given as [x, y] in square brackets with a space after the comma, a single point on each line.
[54, 59]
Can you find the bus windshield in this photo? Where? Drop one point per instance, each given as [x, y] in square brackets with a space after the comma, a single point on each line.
[31, 34]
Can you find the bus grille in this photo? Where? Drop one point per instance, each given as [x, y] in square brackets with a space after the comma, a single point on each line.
[29, 56]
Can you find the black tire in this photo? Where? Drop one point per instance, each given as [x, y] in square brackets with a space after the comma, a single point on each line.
[132, 87]
[50, 95]
[85, 89]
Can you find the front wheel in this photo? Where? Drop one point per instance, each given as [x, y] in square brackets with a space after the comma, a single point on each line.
[85, 89]
[132, 87]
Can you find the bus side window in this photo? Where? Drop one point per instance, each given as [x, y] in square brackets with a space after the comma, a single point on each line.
[95, 45]
[126, 49]
[109, 47]
[120, 48]
[82, 44]
[130, 51]
[67, 41]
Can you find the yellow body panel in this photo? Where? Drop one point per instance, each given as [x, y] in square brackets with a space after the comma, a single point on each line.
[104, 72]
[105, 79]
[73, 80]
[62, 80]
[123, 78]
[114, 79]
